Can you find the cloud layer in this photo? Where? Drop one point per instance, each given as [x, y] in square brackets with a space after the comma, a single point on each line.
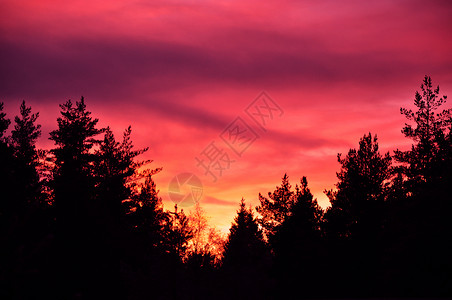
[181, 71]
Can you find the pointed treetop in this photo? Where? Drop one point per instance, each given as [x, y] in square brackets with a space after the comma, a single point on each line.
[4, 122]
[25, 132]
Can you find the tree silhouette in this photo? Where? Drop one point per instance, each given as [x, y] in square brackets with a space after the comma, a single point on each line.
[361, 191]
[245, 245]
[4, 122]
[305, 220]
[245, 258]
[8, 211]
[115, 171]
[152, 242]
[143, 217]
[73, 172]
[7, 167]
[113, 166]
[73, 185]
[276, 208]
[20, 173]
[306, 214]
[298, 246]
[24, 217]
[93, 224]
[23, 141]
[355, 220]
[25, 134]
[420, 223]
[428, 133]
[177, 232]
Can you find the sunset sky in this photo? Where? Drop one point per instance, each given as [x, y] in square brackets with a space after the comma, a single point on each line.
[181, 72]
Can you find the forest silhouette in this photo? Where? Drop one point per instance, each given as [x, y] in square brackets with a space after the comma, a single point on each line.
[84, 220]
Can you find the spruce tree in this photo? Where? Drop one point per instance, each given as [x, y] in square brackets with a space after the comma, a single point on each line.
[4, 123]
[246, 258]
[74, 193]
[73, 173]
[245, 245]
[276, 208]
[115, 170]
[6, 168]
[143, 217]
[177, 233]
[298, 247]
[23, 141]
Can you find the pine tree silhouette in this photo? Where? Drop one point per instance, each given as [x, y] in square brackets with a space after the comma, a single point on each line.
[275, 209]
[74, 192]
[428, 133]
[8, 211]
[361, 191]
[355, 220]
[4, 122]
[93, 224]
[245, 259]
[115, 170]
[7, 170]
[23, 141]
[297, 246]
[26, 238]
[245, 245]
[420, 223]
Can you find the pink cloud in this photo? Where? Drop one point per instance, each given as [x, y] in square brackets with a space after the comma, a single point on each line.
[180, 71]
